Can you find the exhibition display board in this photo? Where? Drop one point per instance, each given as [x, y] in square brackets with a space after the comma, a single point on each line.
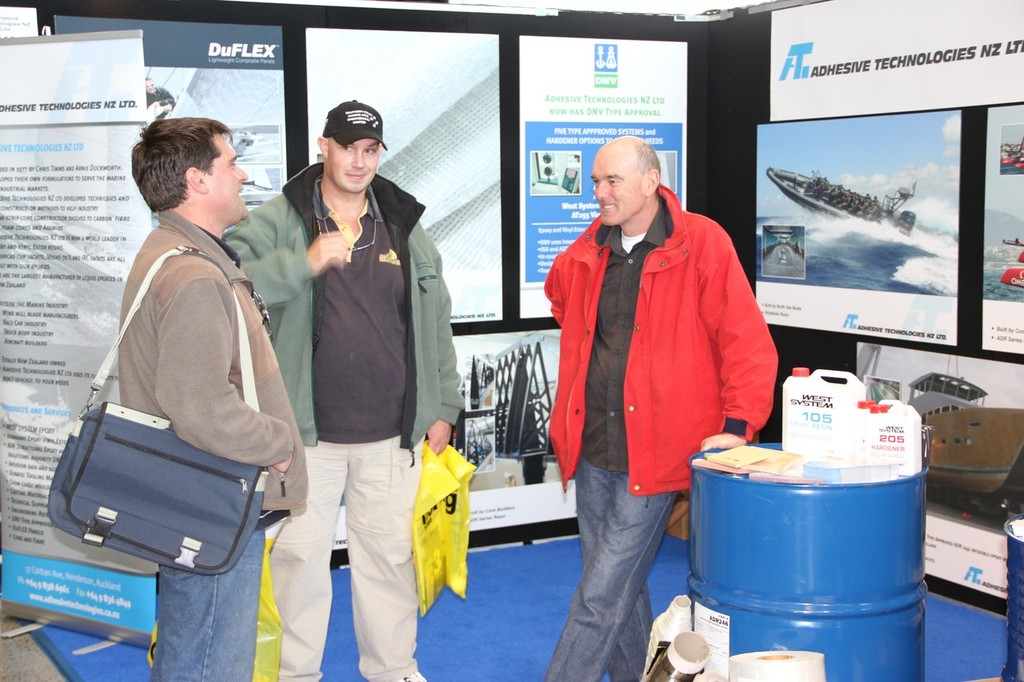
[888, 207]
[71, 221]
[603, 89]
[493, 122]
[441, 113]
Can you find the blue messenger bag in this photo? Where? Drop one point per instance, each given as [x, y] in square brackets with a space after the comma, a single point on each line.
[125, 481]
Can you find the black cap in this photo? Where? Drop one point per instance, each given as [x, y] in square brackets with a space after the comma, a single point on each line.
[351, 121]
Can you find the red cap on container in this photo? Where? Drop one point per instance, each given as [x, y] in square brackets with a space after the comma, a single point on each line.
[879, 409]
[801, 372]
[864, 404]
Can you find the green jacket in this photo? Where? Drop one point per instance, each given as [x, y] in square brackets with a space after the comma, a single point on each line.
[273, 243]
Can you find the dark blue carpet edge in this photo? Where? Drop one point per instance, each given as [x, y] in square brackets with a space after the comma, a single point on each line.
[515, 607]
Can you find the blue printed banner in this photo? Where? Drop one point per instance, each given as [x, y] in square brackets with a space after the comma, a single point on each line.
[119, 599]
[599, 91]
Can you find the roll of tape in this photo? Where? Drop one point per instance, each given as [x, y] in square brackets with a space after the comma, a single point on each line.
[777, 666]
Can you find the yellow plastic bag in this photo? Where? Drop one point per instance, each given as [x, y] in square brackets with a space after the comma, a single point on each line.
[268, 628]
[428, 546]
[455, 522]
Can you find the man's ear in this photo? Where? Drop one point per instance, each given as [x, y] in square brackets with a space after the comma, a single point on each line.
[195, 181]
[652, 180]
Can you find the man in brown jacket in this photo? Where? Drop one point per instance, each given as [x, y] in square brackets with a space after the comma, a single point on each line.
[180, 359]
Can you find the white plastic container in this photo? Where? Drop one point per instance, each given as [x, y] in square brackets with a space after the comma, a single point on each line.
[859, 426]
[819, 413]
[676, 619]
[681, 661]
[893, 432]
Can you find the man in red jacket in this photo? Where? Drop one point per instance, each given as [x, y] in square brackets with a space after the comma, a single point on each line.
[664, 353]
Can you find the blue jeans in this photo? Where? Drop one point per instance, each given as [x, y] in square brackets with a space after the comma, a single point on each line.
[610, 619]
[207, 623]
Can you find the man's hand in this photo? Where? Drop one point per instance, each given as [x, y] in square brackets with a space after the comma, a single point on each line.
[722, 441]
[282, 466]
[330, 249]
[438, 435]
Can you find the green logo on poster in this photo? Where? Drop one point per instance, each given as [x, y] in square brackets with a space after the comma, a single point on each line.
[606, 80]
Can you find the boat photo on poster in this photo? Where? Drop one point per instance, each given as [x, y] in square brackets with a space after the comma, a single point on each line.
[975, 479]
[858, 225]
[1003, 260]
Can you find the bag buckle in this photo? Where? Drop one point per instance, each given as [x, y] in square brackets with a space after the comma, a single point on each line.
[99, 527]
[190, 549]
[94, 390]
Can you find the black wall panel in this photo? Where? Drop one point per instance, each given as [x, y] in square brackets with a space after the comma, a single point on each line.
[728, 79]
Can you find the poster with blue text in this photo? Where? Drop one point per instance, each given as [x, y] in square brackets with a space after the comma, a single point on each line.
[70, 220]
[229, 72]
[858, 225]
[852, 57]
[595, 91]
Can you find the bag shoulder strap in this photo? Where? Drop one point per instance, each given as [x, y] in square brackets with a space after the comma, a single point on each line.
[245, 353]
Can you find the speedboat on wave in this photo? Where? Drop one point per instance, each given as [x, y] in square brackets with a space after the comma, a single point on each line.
[816, 193]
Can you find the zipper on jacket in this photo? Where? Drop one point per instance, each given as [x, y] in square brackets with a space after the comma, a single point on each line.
[312, 352]
[575, 382]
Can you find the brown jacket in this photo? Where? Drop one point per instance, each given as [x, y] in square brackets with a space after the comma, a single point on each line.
[179, 359]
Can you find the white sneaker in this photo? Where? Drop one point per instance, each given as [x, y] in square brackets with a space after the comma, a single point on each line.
[415, 677]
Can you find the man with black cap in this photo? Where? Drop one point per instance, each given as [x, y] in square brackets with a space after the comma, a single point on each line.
[360, 323]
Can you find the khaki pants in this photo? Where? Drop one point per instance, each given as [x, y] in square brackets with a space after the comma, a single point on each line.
[379, 483]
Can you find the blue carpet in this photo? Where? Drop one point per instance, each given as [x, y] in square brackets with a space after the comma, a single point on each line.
[517, 600]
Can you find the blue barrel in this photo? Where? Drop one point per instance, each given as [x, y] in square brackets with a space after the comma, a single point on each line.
[1014, 668]
[837, 569]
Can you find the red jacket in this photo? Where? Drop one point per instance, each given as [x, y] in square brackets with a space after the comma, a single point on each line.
[701, 352]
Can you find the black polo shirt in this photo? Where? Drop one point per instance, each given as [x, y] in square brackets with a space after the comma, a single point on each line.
[604, 427]
[359, 367]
